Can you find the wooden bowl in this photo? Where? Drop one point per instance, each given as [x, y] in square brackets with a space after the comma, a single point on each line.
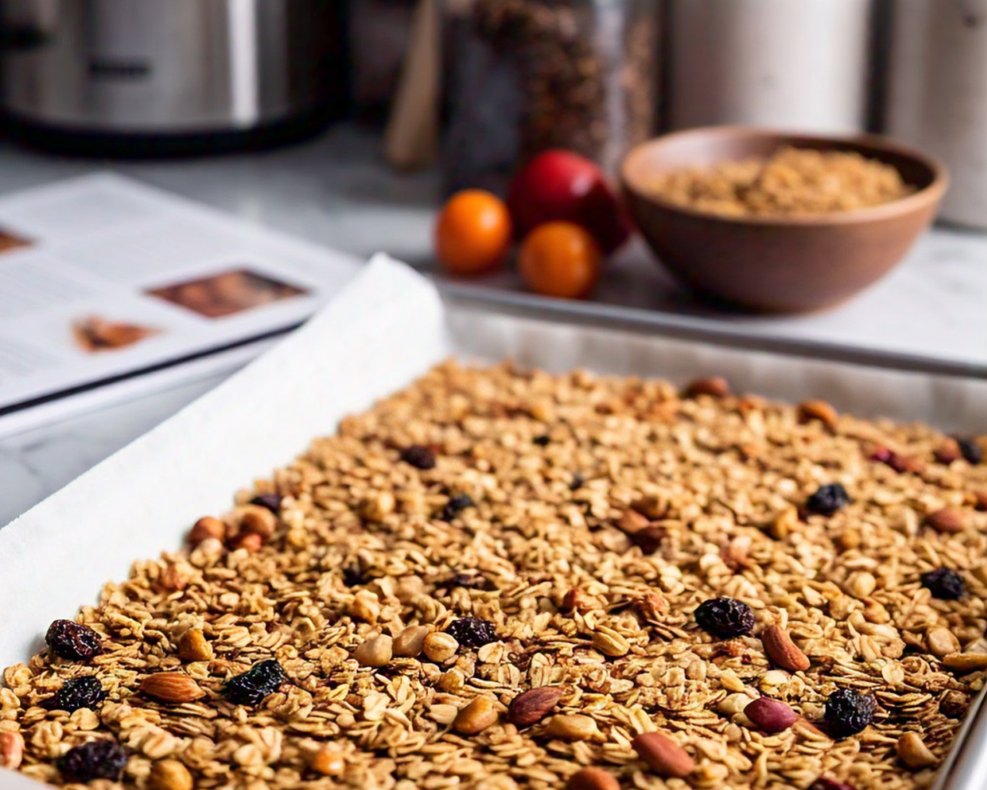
[786, 264]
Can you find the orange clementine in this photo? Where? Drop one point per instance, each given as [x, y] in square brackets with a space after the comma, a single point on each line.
[560, 259]
[473, 232]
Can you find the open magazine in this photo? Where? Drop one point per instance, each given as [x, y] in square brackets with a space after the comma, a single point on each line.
[104, 281]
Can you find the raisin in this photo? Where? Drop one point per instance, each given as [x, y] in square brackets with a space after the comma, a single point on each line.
[577, 482]
[725, 618]
[970, 449]
[271, 501]
[828, 499]
[260, 681]
[94, 760]
[945, 584]
[472, 631]
[648, 538]
[75, 693]
[825, 783]
[419, 457]
[849, 712]
[543, 440]
[455, 505]
[72, 641]
[469, 581]
[353, 575]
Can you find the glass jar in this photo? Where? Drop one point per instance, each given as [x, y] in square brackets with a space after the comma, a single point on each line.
[523, 76]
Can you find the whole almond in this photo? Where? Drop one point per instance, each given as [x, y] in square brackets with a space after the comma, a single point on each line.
[531, 706]
[207, 527]
[169, 775]
[948, 451]
[716, 387]
[192, 646]
[770, 715]
[475, 717]
[592, 779]
[946, 519]
[782, 650]
[172, 687]
[966, 662]
[247, 540]
[663, 755]
[575, 727]
[256, 520]
[818, 410]
[11, 750]
[411, 641]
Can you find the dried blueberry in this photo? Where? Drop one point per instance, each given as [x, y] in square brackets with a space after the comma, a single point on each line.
[94, 760]
[970, 449]
[542, 441]
[419, 457]
[725, 618]
[828, 499]
[260, 681]
[72, 641]
[456, 505]
[849, 712]
[353, 575]
[271, 501]
[472, 631]
[945, 584]
[75, 693]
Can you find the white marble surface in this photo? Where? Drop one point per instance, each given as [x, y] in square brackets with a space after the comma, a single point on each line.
[335, 191]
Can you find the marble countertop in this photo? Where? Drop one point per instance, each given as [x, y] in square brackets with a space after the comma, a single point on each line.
[335, 190]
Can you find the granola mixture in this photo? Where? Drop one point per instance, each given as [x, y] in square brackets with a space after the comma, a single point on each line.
[792, 182]
[645, 565]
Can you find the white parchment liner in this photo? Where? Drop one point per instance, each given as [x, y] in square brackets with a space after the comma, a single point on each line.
[382, 331]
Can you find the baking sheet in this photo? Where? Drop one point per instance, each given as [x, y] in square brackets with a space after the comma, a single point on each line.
[386, 328]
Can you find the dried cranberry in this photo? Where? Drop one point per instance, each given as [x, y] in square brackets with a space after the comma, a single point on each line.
[828, 499]
[825, 783]
[849, 712]
[75, 693]
[725, 618]
[419, 457]
[455, 505]
[94, 760]
[73, 641]
[882, 455]
[970, 449]
[472, 631]
[260, 681]
[543, 440]
[271, 501]
[945, 584]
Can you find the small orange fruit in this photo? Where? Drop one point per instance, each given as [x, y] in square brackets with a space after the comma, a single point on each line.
[473, 232]
[560, 259]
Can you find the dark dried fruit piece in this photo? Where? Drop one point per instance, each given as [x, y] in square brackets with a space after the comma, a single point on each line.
[75, 693]
[353, 575]
[828, 499]
[456, 505]
[94, 760]
[825, 783]
[419, 457]
[260, 681]
[970, 449]
[271, 501]
[725, 618]
[945, 584]
[543, 440]
[469, 581]
[577, 482]
[73, 641]
[472, 632]
[648, 538]
[849, 712]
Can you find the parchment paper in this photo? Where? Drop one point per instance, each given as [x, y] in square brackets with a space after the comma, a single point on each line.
[382, 331]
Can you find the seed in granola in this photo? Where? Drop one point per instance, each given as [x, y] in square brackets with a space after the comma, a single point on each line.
[472, 631]
[771, 715]
[207, 527]
[725, 618]
[825, 783]
[849, 712]
[375, 652]
[972, 452]
[828, 499]
[419, 457]
[543, 440]
[169, 775]
[593, 779]
[258, 682]
[475, 717]
[94, 760]
[944, 583]
[440, 647]
[75, 693]
[73, 641]
[271, 501]
[531, 706]
[456, 505]
[913, 752]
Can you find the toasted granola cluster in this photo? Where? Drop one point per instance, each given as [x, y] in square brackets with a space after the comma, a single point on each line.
[491, 580]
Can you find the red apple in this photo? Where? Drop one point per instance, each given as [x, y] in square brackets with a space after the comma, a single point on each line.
[561, 185]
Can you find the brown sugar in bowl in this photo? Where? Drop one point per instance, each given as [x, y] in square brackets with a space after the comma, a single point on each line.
[777, 264]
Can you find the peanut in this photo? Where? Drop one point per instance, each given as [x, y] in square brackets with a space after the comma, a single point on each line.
[475, 717]
[169, 775]
[571, 727]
